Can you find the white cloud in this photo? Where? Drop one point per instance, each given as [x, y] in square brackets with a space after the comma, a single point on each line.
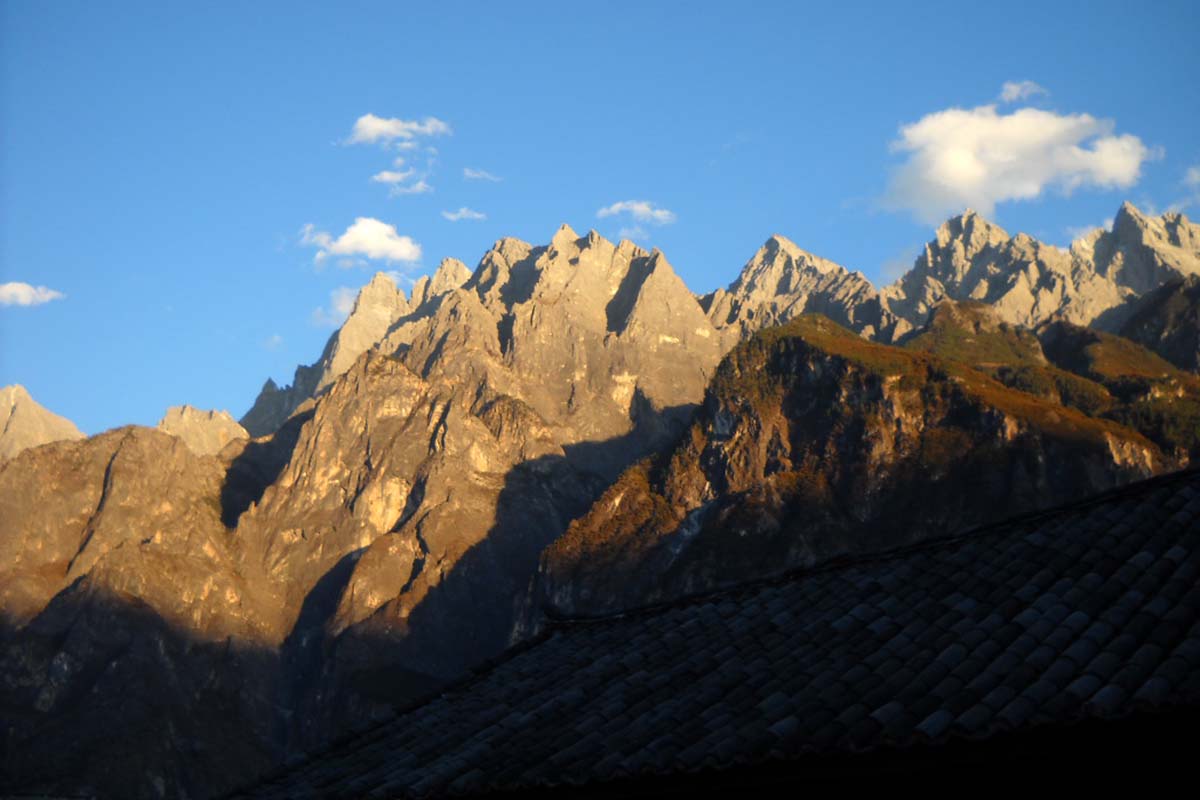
[480, 175]
[976, 158]
[341, 303]
[463, 213]
[1191, 178]
[393, 176]
[420, 187]
[1013, 91]
[272, 342]
[369, 128]
[22, 294]
[367, 237]
[634, 233]
[640, 210]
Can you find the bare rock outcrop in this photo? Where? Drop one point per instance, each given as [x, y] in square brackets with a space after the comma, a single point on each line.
[206, 432]
[433, 472]
[134, 660]
[1167, 320]
[1030, 283]
[814, 443]
[379, 534]
[24, 423]
[782, 281]
[379, 305]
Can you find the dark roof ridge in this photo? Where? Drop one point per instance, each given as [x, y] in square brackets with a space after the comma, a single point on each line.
[562, 624]
[838, 563]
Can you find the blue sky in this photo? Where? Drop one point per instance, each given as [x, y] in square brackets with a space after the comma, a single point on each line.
[159, 162]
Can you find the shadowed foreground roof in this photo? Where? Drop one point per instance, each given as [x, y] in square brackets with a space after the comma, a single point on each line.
[1085, 613]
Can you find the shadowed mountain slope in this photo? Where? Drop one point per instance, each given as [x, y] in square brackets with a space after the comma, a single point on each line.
[813, 443]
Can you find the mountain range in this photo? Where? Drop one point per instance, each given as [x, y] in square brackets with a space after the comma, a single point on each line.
[566, 429]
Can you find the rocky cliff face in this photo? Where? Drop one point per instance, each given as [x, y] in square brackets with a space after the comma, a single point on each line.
[1030, 283]
[378, 307]
[206, 432]
[814, 443]
[131, 655]
[1167, 321]
[428, 480]
[782, 281]
[1027, 282]
[381, 532]
[375, 545]
[25, 424]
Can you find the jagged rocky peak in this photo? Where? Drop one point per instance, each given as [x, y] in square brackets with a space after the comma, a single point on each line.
[24, 423]
[970, 233]
[205, 432]
[379, 307]
[1143, 252]
[1027, 281]
[613, 321]
[782, 281]
[450, 274]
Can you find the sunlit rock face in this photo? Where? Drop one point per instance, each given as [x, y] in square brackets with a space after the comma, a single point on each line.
[238, 600]
[1030, 283]
[782, 281]
[378, 306]
[813, 443]
[370, 547]
[24, 423]
[206, 432]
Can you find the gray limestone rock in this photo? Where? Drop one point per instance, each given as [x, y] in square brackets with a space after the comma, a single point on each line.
[206, 432]
[782, 281]
[25, 424]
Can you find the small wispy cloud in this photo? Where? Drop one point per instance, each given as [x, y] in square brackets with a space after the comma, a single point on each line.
[420, 187]
[480, 175]
[366, 237]
[1191, 178]
[24, 294]
[370, 129]
[1012, 91]
[464, 213]
[635, 233]
[640, 210]
[341, 303]
[394, 175]
[272, 342]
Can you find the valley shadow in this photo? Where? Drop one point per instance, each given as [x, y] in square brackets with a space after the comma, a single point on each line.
[257, 467]
[102, 697]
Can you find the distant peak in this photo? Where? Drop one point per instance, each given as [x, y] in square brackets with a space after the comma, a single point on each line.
[564, 235]
[969, 225]
[381, 279]
[450, 274]
[778, 242]
[1128, 212]
[15, 390]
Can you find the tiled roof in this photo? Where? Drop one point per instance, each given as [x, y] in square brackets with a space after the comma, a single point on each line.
[1091, 611]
